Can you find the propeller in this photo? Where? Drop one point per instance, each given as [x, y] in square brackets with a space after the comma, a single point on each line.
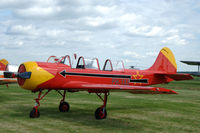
[24, 75]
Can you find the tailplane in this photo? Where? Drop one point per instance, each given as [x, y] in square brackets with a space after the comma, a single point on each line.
[165, 62]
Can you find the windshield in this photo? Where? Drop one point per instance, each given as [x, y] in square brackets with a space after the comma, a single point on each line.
[53, 59]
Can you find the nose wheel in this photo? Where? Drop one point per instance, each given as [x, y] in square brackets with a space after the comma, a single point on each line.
[35, 113]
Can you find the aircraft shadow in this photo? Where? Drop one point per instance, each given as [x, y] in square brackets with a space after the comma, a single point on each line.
[82, 116]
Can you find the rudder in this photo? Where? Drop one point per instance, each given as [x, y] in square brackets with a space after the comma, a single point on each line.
[165, 62]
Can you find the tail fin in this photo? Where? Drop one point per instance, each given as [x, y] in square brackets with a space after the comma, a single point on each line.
[165, 62]
[3, 64]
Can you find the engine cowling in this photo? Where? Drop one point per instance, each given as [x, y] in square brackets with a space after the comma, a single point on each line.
[38, 75]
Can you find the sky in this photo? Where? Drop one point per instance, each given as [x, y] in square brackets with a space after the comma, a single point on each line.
[130, 30]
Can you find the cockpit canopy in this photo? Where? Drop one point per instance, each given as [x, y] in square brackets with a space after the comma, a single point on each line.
[94, 64]
[87, 63]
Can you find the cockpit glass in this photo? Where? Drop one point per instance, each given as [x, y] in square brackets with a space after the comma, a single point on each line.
[67, 60]
[118, 65]
[91, 63]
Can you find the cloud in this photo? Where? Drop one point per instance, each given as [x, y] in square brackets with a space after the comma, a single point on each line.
[55, 33]
[38, 11]
[155, 54]
[22, 29]
[132, 54]
[105, 10]
[175, 39]
[147, 31]
[14, 44]
[100, 22]
[14, 4]
[128, 30]
[95, 22]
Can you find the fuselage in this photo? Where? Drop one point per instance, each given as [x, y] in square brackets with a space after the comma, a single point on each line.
[60, 76]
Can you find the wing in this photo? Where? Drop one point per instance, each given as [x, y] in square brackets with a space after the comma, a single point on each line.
[7, 81]
[131, 89]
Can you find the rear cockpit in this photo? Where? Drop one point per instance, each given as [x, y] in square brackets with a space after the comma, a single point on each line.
[88, 63]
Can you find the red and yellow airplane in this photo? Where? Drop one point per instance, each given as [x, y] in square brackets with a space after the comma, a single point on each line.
[87, 76]
[5, 66]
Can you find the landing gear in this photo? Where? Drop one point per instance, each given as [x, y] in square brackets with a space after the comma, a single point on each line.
[100, 112]
[64, 106]
[35, 113]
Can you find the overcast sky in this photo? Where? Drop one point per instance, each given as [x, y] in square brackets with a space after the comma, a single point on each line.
[131, 30]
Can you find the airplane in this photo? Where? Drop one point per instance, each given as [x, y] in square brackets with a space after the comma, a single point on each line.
[87, 76]
[5, 66]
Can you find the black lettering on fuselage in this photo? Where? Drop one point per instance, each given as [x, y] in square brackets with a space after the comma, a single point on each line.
[120, 81]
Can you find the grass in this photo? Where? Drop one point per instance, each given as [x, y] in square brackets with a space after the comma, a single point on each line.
[126, 112]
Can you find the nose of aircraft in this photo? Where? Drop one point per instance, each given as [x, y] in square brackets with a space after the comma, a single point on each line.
[36, 75]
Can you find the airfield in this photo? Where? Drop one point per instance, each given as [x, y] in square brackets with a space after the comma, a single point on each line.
[126, 112]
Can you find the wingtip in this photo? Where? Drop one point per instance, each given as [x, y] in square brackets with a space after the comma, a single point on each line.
[166, 91]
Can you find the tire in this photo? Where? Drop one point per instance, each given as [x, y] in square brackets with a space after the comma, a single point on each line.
[99, 114]
[64, 107]
[35, 113]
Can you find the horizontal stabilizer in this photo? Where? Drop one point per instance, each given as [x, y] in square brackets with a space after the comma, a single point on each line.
[179, 77]
[154, 90]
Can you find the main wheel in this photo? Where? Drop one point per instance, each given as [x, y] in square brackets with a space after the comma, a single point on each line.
[35, 113]
[64, 107]
[100, 113]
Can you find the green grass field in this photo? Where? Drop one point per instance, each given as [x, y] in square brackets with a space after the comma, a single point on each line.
[126, 112]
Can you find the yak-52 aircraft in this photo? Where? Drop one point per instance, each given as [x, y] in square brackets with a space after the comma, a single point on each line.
[87, 76]
[5, 66]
